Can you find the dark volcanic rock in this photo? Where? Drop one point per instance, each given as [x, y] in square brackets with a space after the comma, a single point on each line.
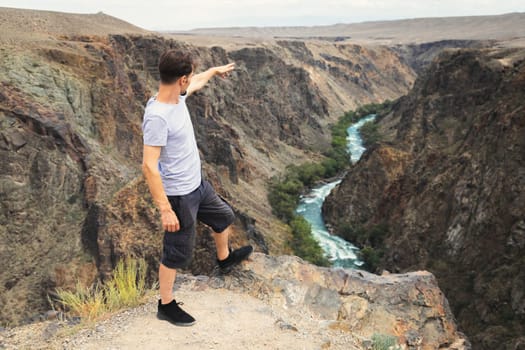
[449, 183]
[420, 56]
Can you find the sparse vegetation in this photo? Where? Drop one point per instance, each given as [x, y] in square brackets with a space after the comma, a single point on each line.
[304, 244]
[369, 133]
[127, 288]
[339, 154]
[371, 241]
[284, 198]
[284, 192]
[384, 342]
[372, 236]
[371, 257]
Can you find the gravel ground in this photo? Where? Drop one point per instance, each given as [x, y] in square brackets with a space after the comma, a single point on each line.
[225, 320]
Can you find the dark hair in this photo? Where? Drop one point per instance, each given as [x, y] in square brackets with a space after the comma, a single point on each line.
[173, 65]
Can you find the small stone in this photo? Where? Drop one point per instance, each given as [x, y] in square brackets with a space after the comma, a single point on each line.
[74, 320]
[216, 283]
[285, 325]
[413, 338]
[367, 344]
[326, 345]
[50, 330]
[51, 315]
[202, 278]
[17, 140]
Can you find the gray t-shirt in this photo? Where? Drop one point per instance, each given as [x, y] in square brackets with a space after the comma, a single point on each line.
[169, 126]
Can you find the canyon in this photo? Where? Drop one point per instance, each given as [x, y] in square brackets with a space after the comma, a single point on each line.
[446, 182]
[74, 201]
[71, 105]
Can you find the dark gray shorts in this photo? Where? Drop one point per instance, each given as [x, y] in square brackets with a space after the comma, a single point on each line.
[202, 204]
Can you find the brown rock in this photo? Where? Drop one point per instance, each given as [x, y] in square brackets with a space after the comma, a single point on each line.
[409, 306]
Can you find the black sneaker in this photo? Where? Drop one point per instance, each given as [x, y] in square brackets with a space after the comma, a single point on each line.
[234, 258]
[174, 314]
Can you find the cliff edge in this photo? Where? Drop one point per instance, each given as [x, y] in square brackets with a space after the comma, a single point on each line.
[279, 303]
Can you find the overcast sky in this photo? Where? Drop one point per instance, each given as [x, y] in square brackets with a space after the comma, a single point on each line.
[189, 14]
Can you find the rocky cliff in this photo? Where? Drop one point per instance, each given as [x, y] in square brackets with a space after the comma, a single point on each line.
[447, 184]
[278, 303]
[71, 104]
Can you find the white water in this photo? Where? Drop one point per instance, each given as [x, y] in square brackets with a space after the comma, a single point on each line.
[354, 141]
[340, 252]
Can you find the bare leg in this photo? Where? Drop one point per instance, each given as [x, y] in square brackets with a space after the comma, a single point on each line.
[166, 281]
[221, 242]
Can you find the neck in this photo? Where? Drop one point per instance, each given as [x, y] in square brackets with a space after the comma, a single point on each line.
[169, 93]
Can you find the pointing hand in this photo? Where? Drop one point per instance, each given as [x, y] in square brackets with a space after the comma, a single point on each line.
[225, 70]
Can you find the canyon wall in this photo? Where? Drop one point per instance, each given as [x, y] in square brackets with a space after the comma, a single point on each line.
[446, 184]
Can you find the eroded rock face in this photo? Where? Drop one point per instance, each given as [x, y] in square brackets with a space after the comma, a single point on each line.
[448, 181]
[409, 306]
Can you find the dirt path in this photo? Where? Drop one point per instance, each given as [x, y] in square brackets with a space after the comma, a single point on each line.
[225, 320]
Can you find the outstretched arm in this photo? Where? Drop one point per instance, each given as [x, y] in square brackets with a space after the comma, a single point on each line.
[199, 80]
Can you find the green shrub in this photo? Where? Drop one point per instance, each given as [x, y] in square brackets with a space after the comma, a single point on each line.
[355, 234]
[370, 133]
[304, 244]
[371, 257]
[330, 167]
[376, 235]
[309, 173]
[284, 197]
[370, 240]
[384, 342]
[361, 236]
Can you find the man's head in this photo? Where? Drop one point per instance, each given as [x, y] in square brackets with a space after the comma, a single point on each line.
[174, 65]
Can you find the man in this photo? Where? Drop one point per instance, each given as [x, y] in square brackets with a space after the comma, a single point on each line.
[172, 168]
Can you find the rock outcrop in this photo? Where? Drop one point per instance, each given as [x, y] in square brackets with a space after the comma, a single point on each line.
[448, 184]
[409, 306]
[296, 305]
